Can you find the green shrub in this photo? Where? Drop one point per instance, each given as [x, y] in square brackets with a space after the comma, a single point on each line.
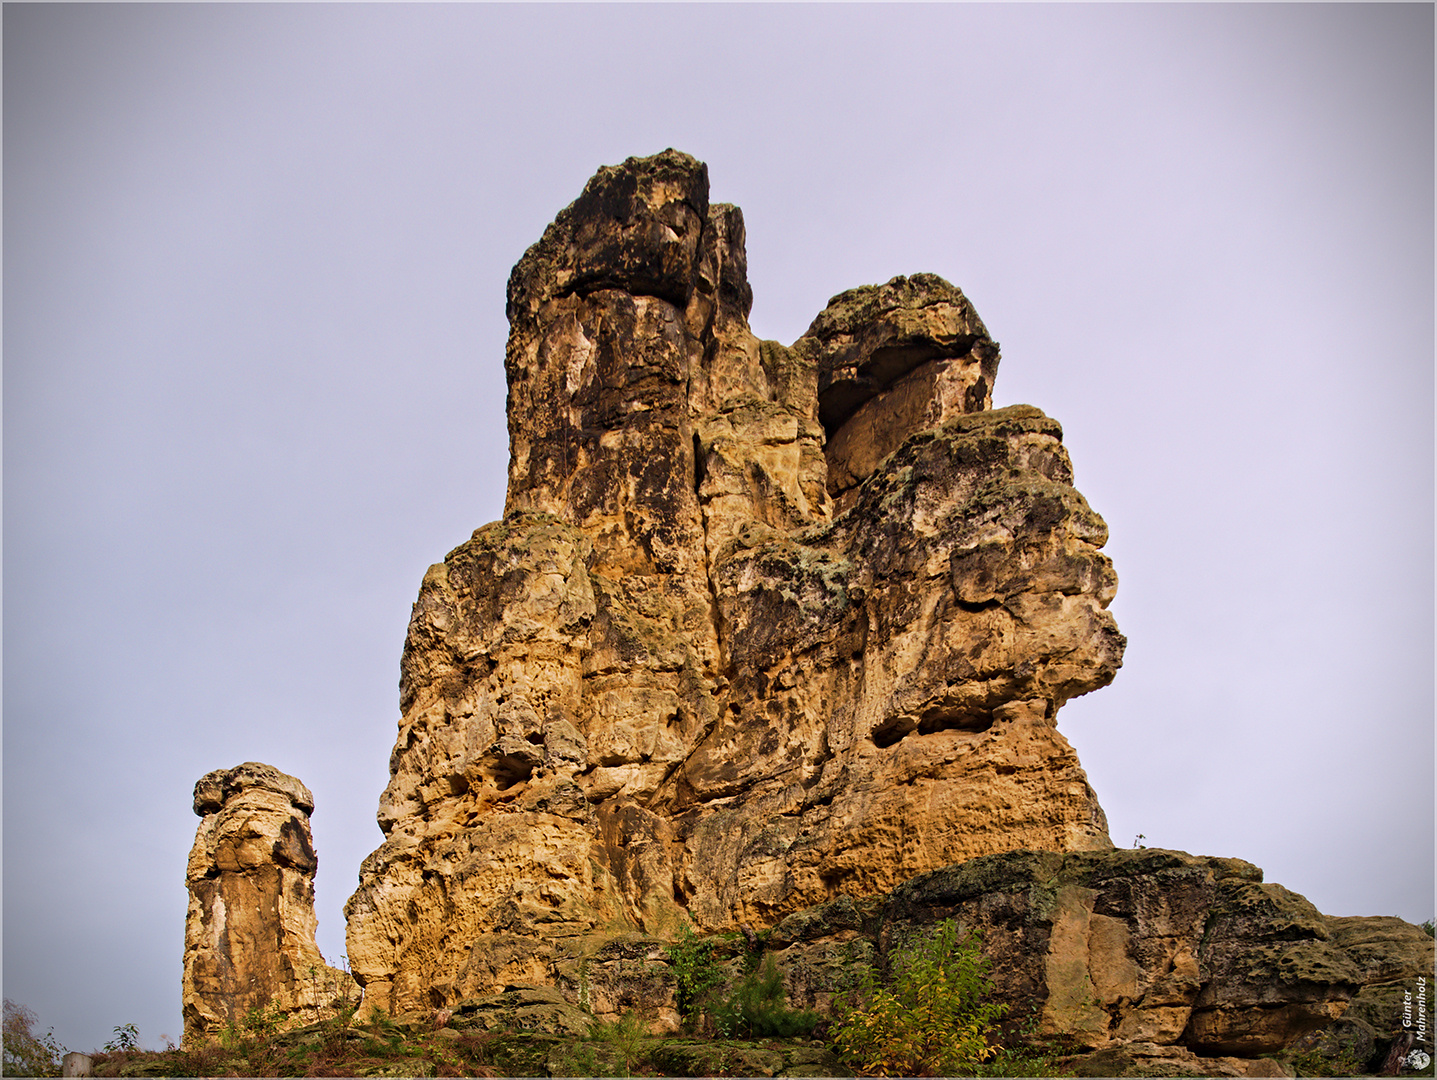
[1313, 1062]
[127, 1037]
[696, 971]
[933, 1018]
[262, 1023]
[625, 1036]
[756, 1008]
[28, 1054]
[230, 1035]
[1020, 1062]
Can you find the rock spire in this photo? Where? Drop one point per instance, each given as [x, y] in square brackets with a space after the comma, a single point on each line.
[762, 625]
[249, 932]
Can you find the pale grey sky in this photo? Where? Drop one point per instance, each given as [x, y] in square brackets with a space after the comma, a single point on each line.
[253, 386]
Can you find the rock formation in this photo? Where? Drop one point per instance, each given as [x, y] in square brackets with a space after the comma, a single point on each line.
[1154, 947]
[769, 638]
[762, 626]
[1142, 962]
[249, 932]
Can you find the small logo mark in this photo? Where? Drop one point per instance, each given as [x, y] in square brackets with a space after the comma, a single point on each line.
[1418, 1059]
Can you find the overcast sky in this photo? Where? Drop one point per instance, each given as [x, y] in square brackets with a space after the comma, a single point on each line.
[254, 269]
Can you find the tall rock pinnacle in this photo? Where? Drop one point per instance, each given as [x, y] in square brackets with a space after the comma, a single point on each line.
[249, 933]
[762, 624]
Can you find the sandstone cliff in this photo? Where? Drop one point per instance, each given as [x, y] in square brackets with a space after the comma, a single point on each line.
[762, 625]
[249, 932]
[773, 638]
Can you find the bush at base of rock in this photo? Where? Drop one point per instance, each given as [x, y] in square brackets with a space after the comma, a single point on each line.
[756, 1008]
[934, 1018]
[697, 971]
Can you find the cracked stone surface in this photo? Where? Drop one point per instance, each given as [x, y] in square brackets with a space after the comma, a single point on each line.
[762, 625]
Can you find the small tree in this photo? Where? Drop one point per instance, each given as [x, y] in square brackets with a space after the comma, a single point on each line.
[696, 971]
[28, 1054]
[756, 1008]
[625, 1035]
[933, 1018]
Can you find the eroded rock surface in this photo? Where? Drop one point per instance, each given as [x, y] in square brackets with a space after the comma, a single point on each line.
[249, 932]
[1144, 946]
[763, 625]
[1142, 962]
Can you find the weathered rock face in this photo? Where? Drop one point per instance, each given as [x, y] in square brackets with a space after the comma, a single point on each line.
[1143, 962]
[894, 359]
[762, 625]
[1144, 946]
[249, 933]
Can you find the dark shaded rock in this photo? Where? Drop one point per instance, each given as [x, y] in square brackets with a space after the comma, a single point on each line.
[1157, 947]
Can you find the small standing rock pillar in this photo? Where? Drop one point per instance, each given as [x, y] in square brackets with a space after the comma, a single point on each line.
[249, 933]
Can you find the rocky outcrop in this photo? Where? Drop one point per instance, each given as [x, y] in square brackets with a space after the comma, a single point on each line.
[762, 626]
[1143, 946]
[891, 360]
[1140, 962]
[772, 642]
[1118, 963]
[1395, 963]
[249, 932]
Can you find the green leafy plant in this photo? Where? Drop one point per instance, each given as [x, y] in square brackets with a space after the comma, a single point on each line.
[695, 969]
[344, 1015]
[576, 1059]
[1313, 1062]
[1430, 927]
[262, 1022]
[1020, 1061]
[127, 1037]
[26, 1053]
[757, 1008]
[933, 1017]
